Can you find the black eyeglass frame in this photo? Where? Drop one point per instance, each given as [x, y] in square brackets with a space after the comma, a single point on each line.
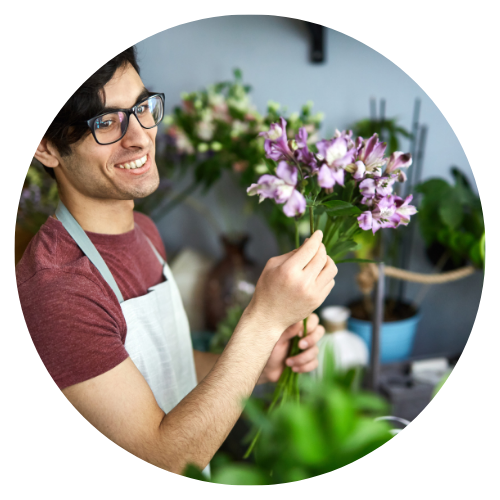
[128, 112]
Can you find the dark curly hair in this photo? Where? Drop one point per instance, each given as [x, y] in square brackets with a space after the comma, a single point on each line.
[69, 125]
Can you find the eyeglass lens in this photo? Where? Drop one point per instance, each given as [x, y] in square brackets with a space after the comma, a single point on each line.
[111, 127]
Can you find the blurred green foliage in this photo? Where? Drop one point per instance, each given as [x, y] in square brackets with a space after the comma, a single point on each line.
[387, 130]
[332, 427]
[226, 328]
[38, 199]
[451, 215]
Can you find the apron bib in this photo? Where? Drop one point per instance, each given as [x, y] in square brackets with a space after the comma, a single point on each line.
[158, 339]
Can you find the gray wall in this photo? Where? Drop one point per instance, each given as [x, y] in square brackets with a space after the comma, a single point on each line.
[273, 53]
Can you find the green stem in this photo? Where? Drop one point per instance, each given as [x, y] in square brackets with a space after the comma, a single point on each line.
[297, 240]
[288, 383]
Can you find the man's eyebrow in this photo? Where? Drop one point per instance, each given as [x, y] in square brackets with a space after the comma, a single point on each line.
[143, 95]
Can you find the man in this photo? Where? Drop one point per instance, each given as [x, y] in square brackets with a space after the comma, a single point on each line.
[102, 306]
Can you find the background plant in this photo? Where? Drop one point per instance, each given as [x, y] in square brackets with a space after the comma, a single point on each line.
[334, 427]
[38, 200]
[451, 215]
[216, 130]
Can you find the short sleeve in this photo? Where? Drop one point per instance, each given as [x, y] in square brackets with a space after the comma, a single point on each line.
[77, 328]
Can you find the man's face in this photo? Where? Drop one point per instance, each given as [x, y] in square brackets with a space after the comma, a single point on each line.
[93, 170]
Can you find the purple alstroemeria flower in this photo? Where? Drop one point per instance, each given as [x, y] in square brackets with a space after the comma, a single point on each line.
[281, 188]
[336, 155]
[276, 143]
[381, 186]
[404, 209]
[398, 160]
[388, 212]
[303, 154]
[357, 170]
[347, 136]
[371, 153]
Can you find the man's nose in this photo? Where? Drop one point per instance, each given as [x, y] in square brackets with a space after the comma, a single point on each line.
[136, 136]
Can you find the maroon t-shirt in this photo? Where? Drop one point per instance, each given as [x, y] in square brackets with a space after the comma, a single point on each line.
[72, 314]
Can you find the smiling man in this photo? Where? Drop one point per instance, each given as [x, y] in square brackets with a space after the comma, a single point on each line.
[102, 306]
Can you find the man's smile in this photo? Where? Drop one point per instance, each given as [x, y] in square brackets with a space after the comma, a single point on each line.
[137, 166]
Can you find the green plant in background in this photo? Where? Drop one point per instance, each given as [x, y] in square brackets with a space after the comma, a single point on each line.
[226, 328]
[387, 129]
[38, 200]
[450, 215]
[334, 426]
[215, 130]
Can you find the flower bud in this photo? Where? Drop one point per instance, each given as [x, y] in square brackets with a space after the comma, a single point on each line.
[292, 144]
[216, 146]
[203, 147]
[261, 169]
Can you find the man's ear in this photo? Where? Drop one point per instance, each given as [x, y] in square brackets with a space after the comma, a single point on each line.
[47, 155]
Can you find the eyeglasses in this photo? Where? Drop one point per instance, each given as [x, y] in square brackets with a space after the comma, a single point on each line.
[110, 127]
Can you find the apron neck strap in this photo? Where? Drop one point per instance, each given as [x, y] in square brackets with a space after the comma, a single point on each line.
[158, 256]
[83, 241]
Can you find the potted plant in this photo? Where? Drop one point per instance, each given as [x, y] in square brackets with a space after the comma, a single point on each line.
[451, 222]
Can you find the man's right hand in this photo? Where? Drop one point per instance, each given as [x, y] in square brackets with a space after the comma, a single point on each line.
[293, 285]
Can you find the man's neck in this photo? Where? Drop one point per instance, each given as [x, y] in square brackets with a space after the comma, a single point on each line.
[101, 216]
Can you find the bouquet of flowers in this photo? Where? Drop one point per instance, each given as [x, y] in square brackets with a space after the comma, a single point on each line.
[216, 130]
[345, 184]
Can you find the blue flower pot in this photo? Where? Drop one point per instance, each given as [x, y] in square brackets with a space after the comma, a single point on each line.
[396, 337]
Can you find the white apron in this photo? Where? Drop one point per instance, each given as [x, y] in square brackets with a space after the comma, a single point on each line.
[158, 338]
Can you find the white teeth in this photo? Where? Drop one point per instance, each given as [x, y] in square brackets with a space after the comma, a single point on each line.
[135, 164]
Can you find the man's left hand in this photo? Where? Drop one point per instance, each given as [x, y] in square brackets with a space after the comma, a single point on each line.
[305, 361]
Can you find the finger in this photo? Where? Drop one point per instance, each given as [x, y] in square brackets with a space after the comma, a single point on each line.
[309, 367]
[280, 259]
[317, 264]
[327, 273]
[313, 338]
[304, 357]
[292, 331]
[312, 323]
[307, 251]
[306, 365]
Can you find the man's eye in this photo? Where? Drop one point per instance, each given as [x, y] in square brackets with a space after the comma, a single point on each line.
[143, 108]
[104, 124]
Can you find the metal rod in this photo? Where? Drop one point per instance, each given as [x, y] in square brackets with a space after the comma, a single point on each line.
[373, 109]
[406, 189]
[419, 161]
[378, 317]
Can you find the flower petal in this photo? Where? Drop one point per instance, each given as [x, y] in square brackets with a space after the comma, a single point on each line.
[325, 177]
[287, 172]
[296, 205]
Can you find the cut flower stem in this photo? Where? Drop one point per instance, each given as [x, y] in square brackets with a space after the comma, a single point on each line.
[287, 387]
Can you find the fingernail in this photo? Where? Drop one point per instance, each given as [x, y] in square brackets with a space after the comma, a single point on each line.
[296, 369]
[303, 344]
[289, 362]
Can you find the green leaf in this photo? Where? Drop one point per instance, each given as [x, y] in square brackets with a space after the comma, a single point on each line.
[340, 208]
[348, 190]
[271, 165]
[433, 188]
[450, 210]
[240, 474]
[237, 74]
[194, 473]
[341, 248]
